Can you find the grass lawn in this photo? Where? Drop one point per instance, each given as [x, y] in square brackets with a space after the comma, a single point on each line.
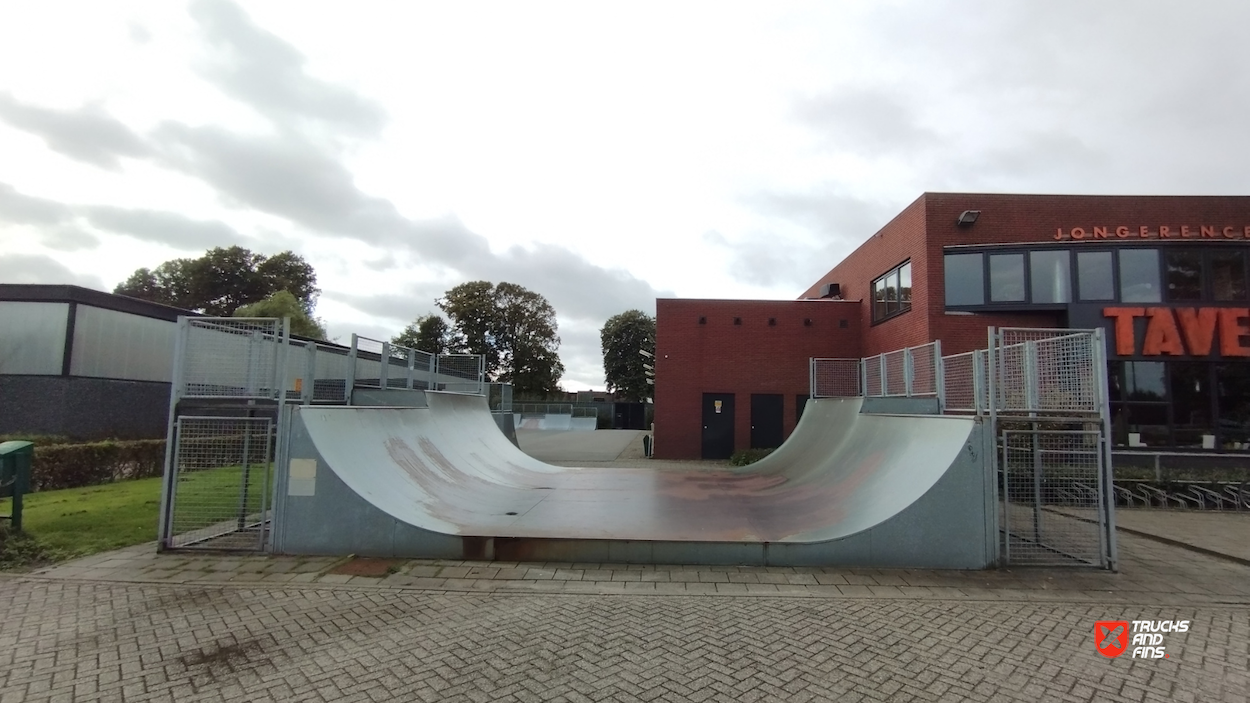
[76, 522]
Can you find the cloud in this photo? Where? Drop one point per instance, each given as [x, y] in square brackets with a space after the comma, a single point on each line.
[829, 226]
[20, 209]
[178, 231]
[867, 121]
[260, 69]
[138, 33]
[68, 238]
[403, 308]
[37, 268]
[87, 133]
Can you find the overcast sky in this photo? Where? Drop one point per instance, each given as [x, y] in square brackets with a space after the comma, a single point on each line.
[601, 154]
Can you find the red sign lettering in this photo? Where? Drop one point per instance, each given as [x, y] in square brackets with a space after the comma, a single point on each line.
[1162, 337]
[1094, 232]
[1195, 334]
[1199, 328]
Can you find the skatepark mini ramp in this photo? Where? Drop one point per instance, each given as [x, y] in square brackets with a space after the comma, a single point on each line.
[441, 481]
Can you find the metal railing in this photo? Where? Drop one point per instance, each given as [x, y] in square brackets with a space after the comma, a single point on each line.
[378, 364]
[905, 373]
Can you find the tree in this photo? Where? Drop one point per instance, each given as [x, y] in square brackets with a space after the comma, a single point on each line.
[430, 333]
[283, 304]
[622, 337]
[223, 280]
[514, 328]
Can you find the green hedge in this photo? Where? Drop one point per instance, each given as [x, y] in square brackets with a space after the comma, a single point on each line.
[74, 465]
[743, 457]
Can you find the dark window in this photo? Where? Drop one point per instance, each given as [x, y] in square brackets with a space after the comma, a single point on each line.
[1184, 275]
[1234, 404]
[1228, 275]
[1148, 421]
[964, 279]
[1142, 380]
[1139, 276]
[891, 293]
[1093, 271]
[1051, 281]
[1006, 278]
[1191, 403]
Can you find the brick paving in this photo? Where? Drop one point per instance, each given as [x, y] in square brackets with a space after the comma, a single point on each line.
[133, 625]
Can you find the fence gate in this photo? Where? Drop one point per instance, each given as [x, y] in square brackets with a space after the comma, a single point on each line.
[1052, 497]
[228, 396]
[222, 474]
[1049, 410]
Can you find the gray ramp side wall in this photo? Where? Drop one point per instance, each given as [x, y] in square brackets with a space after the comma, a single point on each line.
[335, 520]
[947, 528]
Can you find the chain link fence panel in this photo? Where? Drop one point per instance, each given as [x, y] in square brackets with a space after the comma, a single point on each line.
[1048, 371]
[835, 378]
[959, 372]
[925, 360]
[895, 369]
[462, 373]
[231, 358]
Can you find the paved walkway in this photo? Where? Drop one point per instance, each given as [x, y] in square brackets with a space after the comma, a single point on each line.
[133, 625]
[1226, 533]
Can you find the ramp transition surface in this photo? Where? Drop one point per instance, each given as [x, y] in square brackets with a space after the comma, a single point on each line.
[418, 476]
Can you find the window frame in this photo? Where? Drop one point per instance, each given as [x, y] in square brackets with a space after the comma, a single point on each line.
[892, 281]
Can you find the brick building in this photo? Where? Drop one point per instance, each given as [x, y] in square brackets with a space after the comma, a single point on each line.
[1166, 276]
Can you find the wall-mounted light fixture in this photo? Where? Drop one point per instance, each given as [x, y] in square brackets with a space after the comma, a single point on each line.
[967, 218]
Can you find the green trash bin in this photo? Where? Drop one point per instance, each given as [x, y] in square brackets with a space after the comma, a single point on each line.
[15, 458]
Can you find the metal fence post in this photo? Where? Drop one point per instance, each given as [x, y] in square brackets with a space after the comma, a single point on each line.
[811, 377]
[885, 381]
[939, 376]
[909, 363]
[384, 371]
[1101, 384]
[308, 387]
[165, 526]
[1004, 544]
[1032, 384]
[350, 384]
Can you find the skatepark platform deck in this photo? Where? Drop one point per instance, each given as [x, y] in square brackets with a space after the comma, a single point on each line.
[441, 481]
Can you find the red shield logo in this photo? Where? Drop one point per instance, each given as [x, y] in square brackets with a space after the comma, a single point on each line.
[1111, 637]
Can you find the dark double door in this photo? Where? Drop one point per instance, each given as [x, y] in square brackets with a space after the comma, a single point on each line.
[718, 423]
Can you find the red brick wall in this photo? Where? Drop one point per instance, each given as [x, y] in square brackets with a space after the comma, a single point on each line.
[924, 228]
[721, 357]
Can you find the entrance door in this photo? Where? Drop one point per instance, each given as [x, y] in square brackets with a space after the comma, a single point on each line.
[766, 420]
[718, 425]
